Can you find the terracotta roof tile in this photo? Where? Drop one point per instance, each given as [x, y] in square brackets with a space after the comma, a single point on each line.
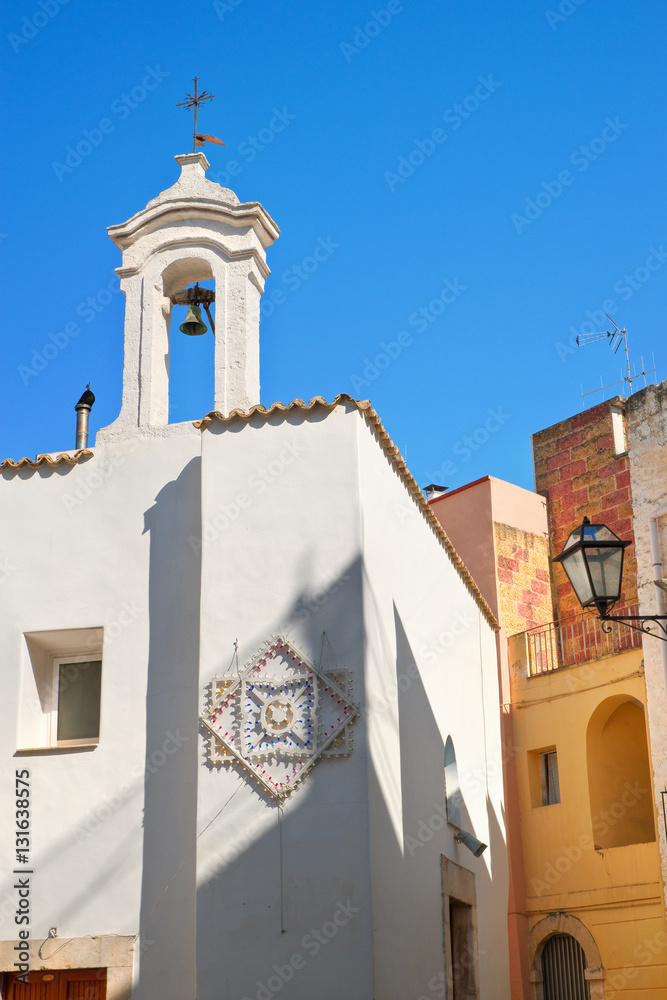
[64, 458]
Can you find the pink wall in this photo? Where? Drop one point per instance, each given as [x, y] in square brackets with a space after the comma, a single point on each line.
[468, 515]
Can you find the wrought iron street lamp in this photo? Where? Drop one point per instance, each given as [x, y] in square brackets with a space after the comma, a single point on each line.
[592, 558]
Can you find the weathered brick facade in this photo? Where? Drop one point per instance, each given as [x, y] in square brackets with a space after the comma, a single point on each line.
[578, 470]
[524, 592]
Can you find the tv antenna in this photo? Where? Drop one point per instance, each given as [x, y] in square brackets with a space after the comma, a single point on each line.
[615, 337]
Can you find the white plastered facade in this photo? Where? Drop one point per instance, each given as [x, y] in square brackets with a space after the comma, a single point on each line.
[176, 541]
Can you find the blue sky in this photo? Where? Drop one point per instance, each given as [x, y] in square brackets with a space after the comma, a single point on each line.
[487, 179]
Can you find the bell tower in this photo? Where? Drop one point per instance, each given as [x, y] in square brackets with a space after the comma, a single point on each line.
[194, 231]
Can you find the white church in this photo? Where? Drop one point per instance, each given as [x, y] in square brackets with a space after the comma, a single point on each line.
[250, 722]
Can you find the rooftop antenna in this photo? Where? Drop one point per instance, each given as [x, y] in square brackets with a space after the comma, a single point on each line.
[615, 337]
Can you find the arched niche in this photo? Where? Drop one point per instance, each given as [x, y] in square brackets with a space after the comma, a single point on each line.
[619, 774]
[452, 788]
[564, 923]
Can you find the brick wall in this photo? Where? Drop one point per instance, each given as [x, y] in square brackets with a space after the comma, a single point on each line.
[522, 567]
[580, 475]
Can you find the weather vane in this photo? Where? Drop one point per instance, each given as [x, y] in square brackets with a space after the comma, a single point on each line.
[198, 138]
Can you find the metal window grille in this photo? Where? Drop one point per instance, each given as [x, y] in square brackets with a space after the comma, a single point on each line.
[563, 969]
[550, 783]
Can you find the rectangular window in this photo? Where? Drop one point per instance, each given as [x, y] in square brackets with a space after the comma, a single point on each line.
[60, 685]
[549, 778]
[619, 432]
[76, 717]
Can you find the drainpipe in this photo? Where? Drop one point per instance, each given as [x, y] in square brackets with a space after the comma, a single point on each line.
[658, 576]
[83, 408]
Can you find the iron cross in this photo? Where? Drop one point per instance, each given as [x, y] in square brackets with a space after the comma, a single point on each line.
[194, 102]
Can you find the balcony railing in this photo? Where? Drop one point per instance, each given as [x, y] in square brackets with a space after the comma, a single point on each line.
[577, 640]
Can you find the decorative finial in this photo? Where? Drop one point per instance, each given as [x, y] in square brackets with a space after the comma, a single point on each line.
[198, 138]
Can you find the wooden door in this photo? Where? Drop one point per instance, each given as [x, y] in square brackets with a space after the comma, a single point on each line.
[68, 984]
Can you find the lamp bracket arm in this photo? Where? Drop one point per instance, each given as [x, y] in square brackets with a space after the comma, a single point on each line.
[645, 624]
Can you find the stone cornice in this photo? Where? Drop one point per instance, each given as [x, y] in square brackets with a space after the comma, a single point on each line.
[247, 214]
[197, 241]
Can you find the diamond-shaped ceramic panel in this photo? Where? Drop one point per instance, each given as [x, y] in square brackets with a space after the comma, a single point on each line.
[278, 714]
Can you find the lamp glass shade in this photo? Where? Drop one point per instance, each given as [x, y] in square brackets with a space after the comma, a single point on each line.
[606, 570]
[575, 567]
[592, 558]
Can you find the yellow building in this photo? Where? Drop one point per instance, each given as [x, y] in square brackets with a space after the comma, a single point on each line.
[586, 909]
[588, 821]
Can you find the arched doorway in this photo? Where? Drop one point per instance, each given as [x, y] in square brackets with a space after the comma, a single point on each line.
[555, 937]
[564, 969]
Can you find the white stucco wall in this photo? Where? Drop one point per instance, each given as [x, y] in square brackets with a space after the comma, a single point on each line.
[294, 541]
[646, 415]
[83, 552]
[337, 525]
[176, 546]
[418, 613]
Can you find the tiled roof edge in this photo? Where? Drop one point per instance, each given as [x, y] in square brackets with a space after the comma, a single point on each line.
[65, 457]
[391, 451]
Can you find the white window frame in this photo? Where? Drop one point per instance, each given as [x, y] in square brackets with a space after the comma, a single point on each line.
[57, 660]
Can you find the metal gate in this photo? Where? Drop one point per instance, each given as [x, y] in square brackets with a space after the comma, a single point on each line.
[563, 967]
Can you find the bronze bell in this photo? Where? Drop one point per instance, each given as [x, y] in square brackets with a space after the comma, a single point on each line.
[193, 325]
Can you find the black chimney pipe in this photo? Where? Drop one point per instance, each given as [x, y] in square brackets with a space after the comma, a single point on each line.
[83, 408]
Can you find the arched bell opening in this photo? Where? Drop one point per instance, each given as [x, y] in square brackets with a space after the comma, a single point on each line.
[190, 317]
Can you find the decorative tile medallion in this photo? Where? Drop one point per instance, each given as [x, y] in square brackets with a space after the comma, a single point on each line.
[277, 715]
